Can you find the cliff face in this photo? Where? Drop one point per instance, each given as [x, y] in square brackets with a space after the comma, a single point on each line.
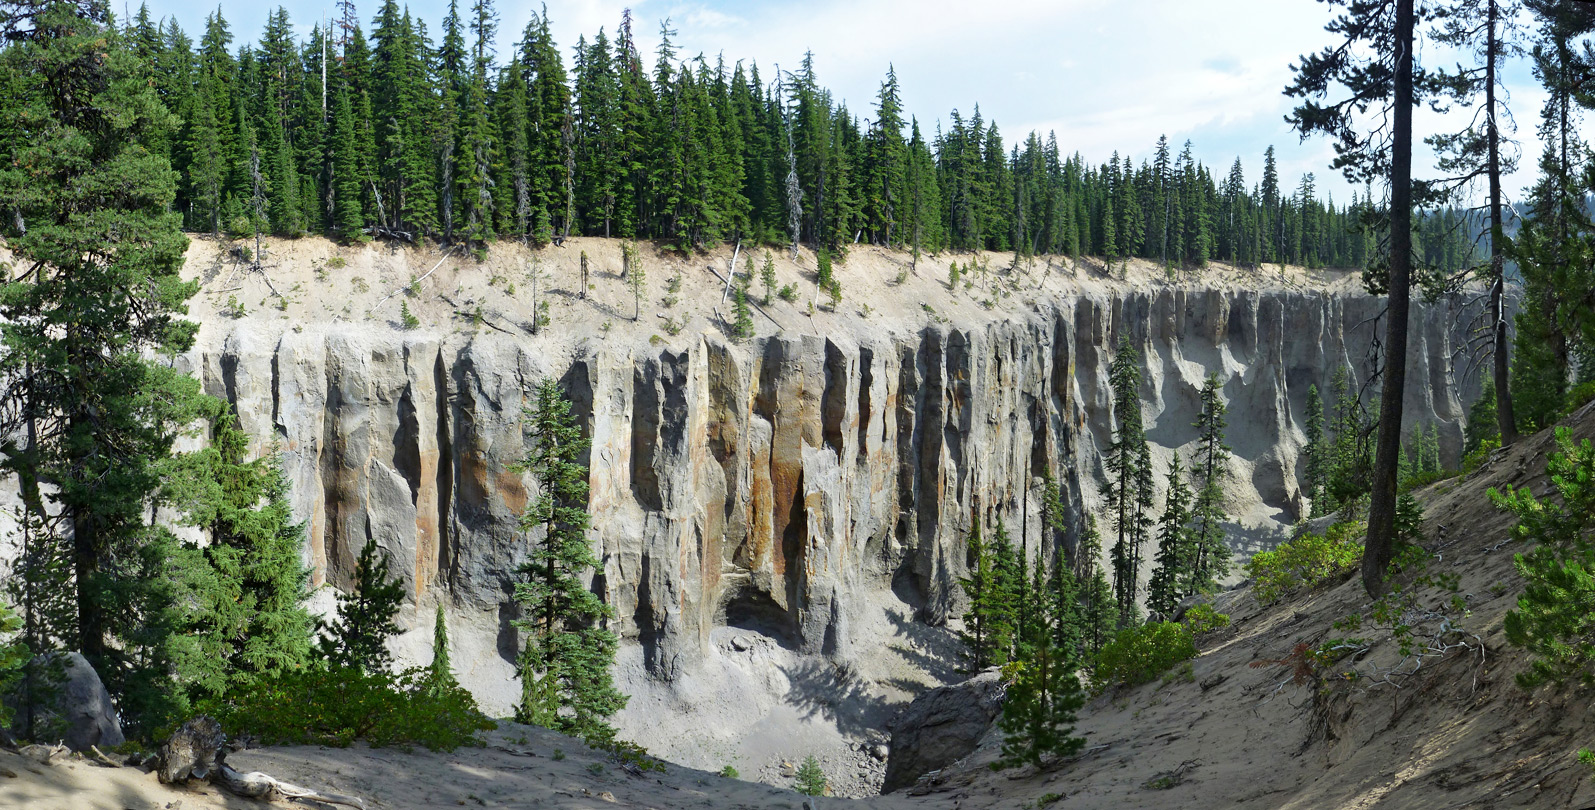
[772, 485]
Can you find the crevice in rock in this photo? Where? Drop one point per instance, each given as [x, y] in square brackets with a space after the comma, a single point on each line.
[645, 434]
[866, 408]
[445, 470]
[746, 607]
[833, 405]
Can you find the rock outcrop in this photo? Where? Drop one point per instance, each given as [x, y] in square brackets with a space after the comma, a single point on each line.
[941, 727]
[75, 708]
[769, 485]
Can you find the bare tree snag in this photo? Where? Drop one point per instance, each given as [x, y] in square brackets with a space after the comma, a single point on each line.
[198, 750]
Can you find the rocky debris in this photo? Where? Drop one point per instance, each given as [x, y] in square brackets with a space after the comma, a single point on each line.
[75, 708]
[941, 727]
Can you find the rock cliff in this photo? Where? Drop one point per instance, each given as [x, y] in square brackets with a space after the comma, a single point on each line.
[772, 484]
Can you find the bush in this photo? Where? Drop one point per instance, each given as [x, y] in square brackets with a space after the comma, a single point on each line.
[1555, 616]
[788, 292]
[729, 772]
[336, 706]
[1580, 395]
[1204, 619]
[1304, 562]
[1139, 655]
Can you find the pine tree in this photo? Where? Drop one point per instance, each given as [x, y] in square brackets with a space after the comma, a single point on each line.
[91, 218]
[767, 275]
[1390, 82]
[245, 596]
[636, 278]
[982, 590]
[1127, 457]
[742, 313]
[1210, 468]
[1482, 425]
[1038, 711]
[1315, 455]
[359, 637]
[569, 651]
[1099, 610]
[1174, 557]
[440, 673]
[810, 779]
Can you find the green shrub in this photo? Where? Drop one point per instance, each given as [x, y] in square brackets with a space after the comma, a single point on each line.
[1304, 562]
[1139, 655]
[1472, 460]
[1555, 616]
[336, 262]
[336, 706]
[729, 772]
[1580, 395]
[788, 292]
[1204, 619]
[14, 655]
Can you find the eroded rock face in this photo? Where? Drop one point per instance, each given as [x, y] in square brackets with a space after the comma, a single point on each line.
[941, 727]
[768, 485]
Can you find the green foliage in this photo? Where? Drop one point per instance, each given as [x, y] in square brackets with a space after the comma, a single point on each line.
[14, 657]
[1140, 654]
[767, 275]
[1305, 562]
[788, 293]
[337, 263]
[1210, 559]
[1315, 455]
[810, 778]
[1044, 692]
[742, 313]
[1176, 549]
[730, 772]
[1203, 618]
[243, 592]
[1129, 490]
[407, 318]
[1555, 616]
[987, 635]
[1482, 425]
[440, 672]
[565, 668]
[824, 274]
[359, 638]
[834, 291]
[337, 705]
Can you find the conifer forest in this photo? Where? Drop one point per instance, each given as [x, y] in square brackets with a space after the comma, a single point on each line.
[408, 408]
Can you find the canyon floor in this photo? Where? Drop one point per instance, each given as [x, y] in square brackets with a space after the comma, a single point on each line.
[1454, 731]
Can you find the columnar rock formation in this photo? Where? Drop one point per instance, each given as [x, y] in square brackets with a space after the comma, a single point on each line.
[772, 484]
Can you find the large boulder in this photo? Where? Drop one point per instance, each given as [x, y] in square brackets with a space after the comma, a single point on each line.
[74, 707]
[941, 727]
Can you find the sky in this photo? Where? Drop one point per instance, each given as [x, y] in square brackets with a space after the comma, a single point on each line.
[1105, 76]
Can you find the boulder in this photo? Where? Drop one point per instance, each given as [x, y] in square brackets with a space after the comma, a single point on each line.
[75, 709]
[941, 727]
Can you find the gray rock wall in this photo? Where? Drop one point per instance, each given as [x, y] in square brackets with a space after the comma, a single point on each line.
[769, 485]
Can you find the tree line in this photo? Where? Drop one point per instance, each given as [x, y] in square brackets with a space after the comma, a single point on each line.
[404, 135]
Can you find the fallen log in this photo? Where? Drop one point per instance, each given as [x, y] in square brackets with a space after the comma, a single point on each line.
[198, 750]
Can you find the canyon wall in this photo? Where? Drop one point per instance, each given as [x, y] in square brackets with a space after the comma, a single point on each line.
[773, 484]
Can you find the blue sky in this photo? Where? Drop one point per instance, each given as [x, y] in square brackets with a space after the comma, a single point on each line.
[1104, 75]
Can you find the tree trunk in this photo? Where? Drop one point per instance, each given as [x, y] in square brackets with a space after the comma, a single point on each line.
[1503, 393]
[1380, 546]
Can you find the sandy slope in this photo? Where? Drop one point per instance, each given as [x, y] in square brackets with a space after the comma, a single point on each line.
[1457, 734]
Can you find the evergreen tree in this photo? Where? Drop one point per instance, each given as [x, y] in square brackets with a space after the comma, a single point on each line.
[1210, 561]
[1098, 609]
[1391, 82]
[810, 778]
[359, 637]
[1038, 711]
[1128, 470]
[245, 597]
[981, 634]
[1174, 555]
[569, 651]
[1315, 455]
[1482, 425]
[742, 313]
[92, 413]
[440, 673]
